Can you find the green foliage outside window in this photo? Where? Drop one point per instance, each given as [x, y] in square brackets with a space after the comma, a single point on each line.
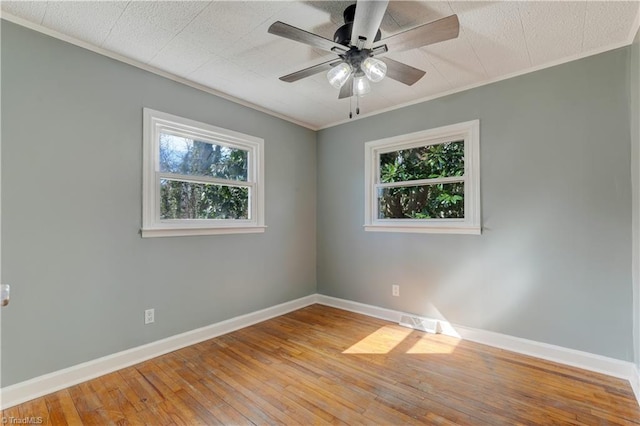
[424, 200]
[184, 199]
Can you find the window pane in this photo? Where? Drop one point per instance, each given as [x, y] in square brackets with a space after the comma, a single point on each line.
[425, 162]
[194, 158]
[439, 201]
[188, 200]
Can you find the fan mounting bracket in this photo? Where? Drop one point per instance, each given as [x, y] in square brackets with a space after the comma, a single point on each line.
[355, 56]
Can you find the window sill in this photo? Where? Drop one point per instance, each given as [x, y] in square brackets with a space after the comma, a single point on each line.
[424, 229]
[185, 232]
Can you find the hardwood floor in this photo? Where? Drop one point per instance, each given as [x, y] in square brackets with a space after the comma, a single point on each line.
[322, 365]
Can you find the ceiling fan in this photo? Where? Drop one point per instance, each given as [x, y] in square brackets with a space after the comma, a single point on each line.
[359, 41]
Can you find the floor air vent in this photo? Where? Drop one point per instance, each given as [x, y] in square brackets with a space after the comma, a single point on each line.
[422, 324]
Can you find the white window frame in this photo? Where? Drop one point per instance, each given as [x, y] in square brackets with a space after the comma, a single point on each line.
[155, 122]
[469, 132]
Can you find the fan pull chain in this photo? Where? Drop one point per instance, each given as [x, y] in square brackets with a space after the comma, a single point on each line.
[350, 107]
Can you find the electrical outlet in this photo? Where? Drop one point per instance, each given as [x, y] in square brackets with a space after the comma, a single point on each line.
[395, 290]
[149, 316]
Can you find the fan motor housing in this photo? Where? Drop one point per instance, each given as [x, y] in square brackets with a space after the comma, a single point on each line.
[343, 34]
[349, 14]
[355, 57]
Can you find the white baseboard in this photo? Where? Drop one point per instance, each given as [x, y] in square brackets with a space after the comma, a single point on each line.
[360, 308]
[52, 382]
[635, 382]
[587, 361]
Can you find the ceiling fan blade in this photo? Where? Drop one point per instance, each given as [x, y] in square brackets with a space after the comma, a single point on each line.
[367, 21]
[433, 32]
[296, 34]
[346, 91]
[307, 72]
[402, 72]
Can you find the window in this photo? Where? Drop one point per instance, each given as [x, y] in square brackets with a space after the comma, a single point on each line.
[199, 179]
[427, 181]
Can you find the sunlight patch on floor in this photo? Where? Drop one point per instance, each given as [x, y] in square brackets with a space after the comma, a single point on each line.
[381, 341]
[390, 337]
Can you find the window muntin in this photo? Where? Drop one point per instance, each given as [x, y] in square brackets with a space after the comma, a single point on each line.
[424, 182]
[200, 179]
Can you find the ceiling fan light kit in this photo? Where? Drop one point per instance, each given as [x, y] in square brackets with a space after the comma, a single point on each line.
[361, 85]
[358, 41]
[339, 74]
[374, 69]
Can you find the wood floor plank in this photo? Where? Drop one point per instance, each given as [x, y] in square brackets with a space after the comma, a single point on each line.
[35, 411]
[219, 409]
[57, 415]
[241, 379]
[322, 365]
[292, 379]
[69, 409]
[130, 413]
[241, 402]
[177, 412]
[88, 405]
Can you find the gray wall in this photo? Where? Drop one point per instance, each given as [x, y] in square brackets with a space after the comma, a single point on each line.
[81, 275]
[634, 113]
[554, 261]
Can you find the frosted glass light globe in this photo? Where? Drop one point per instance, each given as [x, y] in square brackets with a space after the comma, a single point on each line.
[339, 74]
[374, 69]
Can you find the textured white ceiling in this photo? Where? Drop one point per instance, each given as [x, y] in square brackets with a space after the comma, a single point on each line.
[224, 45]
